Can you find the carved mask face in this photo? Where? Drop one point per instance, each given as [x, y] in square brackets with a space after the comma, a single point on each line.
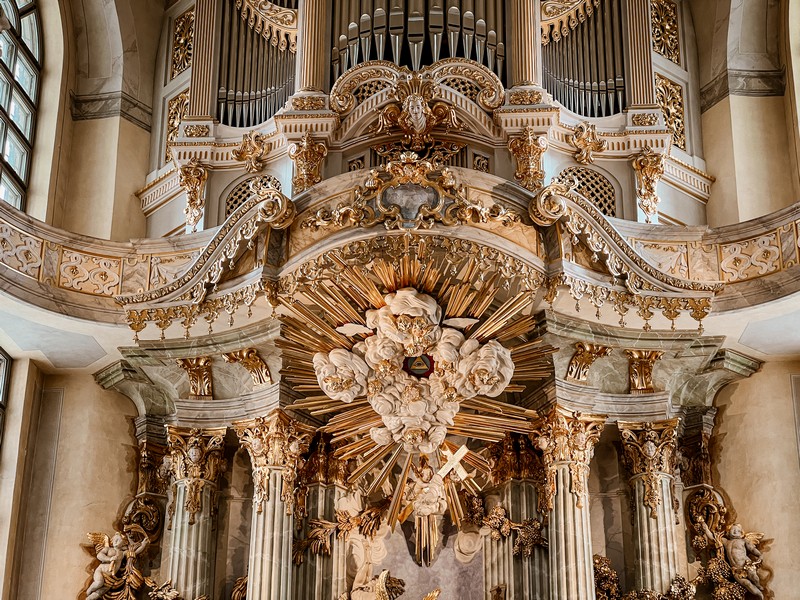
[416, 113]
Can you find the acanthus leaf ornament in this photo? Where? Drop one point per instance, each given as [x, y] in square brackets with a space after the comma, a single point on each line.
[416, 111]
[253, 151]
[549, 204]
[199, 372]
[584, 357]
[640, 369]
[528, 150]
[648, 166]
[649, 452]
[586, 142]
[255, 365]
[193, 176]
[307, 155]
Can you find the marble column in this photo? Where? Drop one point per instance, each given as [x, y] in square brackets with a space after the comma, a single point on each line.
[311, 64]
[203, 93]
[567, 441]
[641, 92]
[649, 451]
[275, 444]
[525, 39]
[195, 460]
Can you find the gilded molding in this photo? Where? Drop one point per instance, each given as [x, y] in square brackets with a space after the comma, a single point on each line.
[559, 17]
[584, 357]
[193, 177]
[255, 365]
[648, 166]
[197, 131]
[199, 372]
[177, 108]
[275, 23]
[308, 103]
[644, 119]
[195, 457]
[665, 29]
[566, 437]
[669, 96]
[525, 97]
[276, 442]
[182, 43]
[650, 452]
[253, 151]
[528, 150]
[307, 156]
[586, 142]
[640, 370]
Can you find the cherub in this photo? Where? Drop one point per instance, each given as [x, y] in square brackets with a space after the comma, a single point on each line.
[111, 553]
[738, 548]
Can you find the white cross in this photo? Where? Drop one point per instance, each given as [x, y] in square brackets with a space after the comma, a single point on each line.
[454, 462]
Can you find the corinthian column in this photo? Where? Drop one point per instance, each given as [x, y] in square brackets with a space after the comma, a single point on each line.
[525, 39]
[311, 65]
[649, 455]
[567, 442]
[195, 460]
[275, 444]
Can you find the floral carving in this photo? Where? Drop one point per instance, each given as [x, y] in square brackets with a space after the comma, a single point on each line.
[526, 97]
[586, 142]
[255, 365]
[193, 177]
[584, 357]
[644, 119]
[669, 96]
[308, 103]
[196, 131]
[649, 167]
[182, 42]
[177, 108]
[528, 150]
[666, 37]
[253, 151]
[199, 372]
[649, 451]
[307, 156]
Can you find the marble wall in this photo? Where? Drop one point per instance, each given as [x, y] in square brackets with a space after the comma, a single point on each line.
[758, 464]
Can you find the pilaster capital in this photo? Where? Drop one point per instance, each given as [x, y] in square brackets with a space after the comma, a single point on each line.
[649, 450]
[274, 442]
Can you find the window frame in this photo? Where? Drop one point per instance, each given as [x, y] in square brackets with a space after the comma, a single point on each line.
[5, 386]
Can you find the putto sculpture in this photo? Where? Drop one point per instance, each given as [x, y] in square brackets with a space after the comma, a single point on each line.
[117, 575]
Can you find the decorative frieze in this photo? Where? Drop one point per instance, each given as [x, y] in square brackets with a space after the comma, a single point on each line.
[644, 119]
[525, 97]
[255, 365]
[567, 437]
[648, 166]
[584, 357]
[275, 442]
[199, 372]
[308, 103]
[307, 156]
[586, 142]
[528, 150]
[195, 458]
[649, 452]
[640, 370]
[193, 177]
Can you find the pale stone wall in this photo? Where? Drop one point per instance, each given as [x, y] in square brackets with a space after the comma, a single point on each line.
[758, 464]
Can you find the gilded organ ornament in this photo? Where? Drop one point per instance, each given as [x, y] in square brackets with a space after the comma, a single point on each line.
[253, 151]
[199, 372]
[177, 108]
[648, 166]
[193, 177]
[584, 357]
[307, 156]
[528, 150]
[649, 452]
[586, 142]
[275, 22]
[665, 29]
[416, 111]
[182, 43]
[669, 96]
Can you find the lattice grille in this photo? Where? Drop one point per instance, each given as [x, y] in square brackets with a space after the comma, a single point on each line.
[242, 192]
[369, 89]
[463, 87]
[594, 186]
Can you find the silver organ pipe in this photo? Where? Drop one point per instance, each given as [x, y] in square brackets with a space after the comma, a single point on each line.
[582, 59]
[414, 33]
[256, 77]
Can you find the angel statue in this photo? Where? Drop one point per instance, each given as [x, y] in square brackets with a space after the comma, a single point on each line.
[739, 547]
[117, 572]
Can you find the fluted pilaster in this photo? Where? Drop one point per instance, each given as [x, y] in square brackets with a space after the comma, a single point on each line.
[275, 444]
[649, 454]
[567, 442]
[525, 39]
[206, 32]
[195, 460]
[641, 87]
[311, 65]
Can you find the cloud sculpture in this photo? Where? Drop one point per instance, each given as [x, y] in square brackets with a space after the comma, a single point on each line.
[415, 410]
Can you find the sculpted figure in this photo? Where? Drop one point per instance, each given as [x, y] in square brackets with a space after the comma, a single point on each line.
[427, 495]
[738, 551]
[112, 555]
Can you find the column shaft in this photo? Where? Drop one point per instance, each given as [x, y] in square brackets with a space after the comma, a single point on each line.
[311, 65]
[525, 39]
[191, 553]
[641, 88]
[656, 543]
[206, 32]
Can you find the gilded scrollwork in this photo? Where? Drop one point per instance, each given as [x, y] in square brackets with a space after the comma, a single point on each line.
[199, 372]
[182, 43]
[308, 103]
[255, 365]
[665, 29]
[274, 22]
[276, 442]
[549, 204]
[528, 150]
[648, 166]
[525, 97]
[195, 457]
[640, 369]
[307, 155]
[584, 357]
[644, 119]
[649, 452]
[177, 108]
[586, 142]
[253, 151]
[669, 96]
[194, 131]
[193, 177]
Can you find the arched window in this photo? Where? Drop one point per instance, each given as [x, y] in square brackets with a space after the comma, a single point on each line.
[20, 70]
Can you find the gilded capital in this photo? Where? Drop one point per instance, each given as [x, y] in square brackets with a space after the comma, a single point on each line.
[199, 372]
[307, 156]
[275, 442]
[195, 456]
[584, 357]
[193, 176]
[568, 438]
[528, 150]
[649, 451]
[640, 369]
[255, 365]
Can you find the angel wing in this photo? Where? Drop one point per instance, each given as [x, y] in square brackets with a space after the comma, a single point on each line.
[99, 541]
[433, 595]
[388, 587]
[754, 538]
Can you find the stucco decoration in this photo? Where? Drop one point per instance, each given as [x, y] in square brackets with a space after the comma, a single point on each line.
[414, 371]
